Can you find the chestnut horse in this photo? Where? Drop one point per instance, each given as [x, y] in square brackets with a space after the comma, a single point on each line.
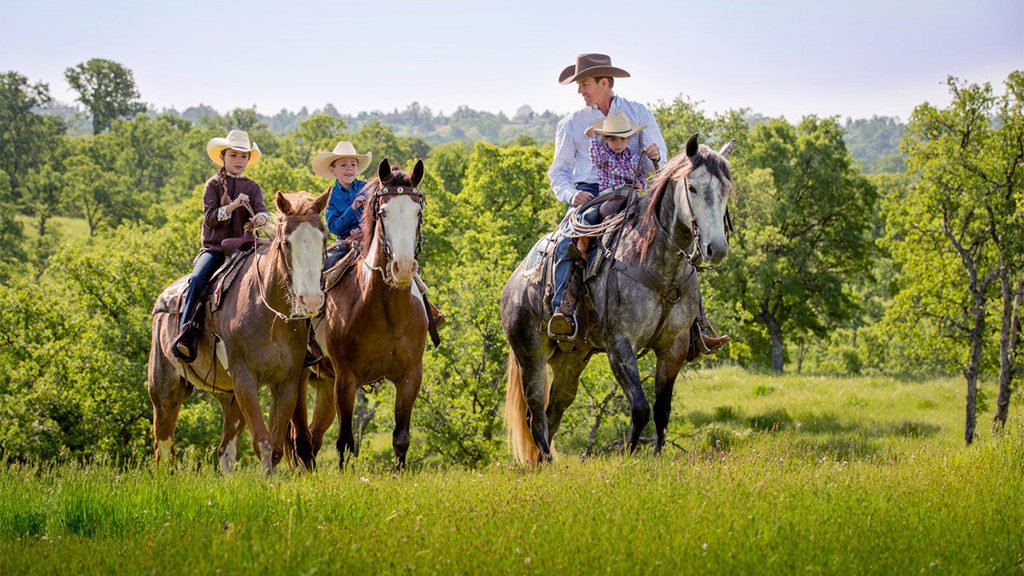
[248, 341]
[375, 324]
[647, 297]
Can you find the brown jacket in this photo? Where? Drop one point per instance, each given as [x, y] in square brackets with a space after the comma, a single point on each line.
[215, 231]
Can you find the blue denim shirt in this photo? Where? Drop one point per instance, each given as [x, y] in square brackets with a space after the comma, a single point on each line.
[341, 217]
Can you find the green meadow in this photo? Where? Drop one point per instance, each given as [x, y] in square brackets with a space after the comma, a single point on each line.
[766, 475]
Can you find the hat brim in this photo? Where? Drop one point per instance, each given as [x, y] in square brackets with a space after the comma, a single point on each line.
[570, 75]
[218, 145]
[625, 134]
[322, 162]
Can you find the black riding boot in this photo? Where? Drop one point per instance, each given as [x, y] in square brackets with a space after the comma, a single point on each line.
[184, 345]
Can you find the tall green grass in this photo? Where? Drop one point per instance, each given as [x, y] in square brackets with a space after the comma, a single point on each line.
[837, 487]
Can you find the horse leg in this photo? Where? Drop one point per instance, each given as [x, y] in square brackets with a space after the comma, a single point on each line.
[664, 383]
[405, 397]
[622, 359]
[167, 392]
[567, 368]
[247, 397]
[324, 412]
[234, 423]
[298, 443]
[284, 397]
[345, 398]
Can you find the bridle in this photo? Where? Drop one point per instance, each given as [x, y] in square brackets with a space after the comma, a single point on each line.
[377, 207]
[278, 246]
[695, 255]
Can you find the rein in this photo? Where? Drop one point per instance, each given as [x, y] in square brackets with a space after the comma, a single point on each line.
[278, 246]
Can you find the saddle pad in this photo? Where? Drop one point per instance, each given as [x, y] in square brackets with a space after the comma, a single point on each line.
[170, 300]
[225, 276]
[333, 274]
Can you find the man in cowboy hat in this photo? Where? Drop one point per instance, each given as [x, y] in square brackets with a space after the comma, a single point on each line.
[574, 178]
[345, 209]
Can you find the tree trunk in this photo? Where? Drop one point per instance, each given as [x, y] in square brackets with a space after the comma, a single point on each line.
[775, 331]
[1009, 334]
[973, 364]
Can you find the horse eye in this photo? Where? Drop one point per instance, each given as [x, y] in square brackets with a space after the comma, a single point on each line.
[692, 189]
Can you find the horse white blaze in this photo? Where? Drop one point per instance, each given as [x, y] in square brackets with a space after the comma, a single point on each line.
[307, 258]
[708, 204]
[401, 222]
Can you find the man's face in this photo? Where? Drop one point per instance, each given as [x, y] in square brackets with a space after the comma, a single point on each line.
[345, 170]
[594, 91]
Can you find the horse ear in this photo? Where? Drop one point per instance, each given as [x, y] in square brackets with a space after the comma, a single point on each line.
[417, 173]
[727, 149]
[384, 170]
[282, 203]
[321, 201]
[691, 146]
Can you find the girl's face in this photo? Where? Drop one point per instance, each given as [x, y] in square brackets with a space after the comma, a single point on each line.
[345, 170]
[235, 161]
[615, 143]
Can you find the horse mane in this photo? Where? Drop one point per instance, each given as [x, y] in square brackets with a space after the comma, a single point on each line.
[679, 167]
[368, 223]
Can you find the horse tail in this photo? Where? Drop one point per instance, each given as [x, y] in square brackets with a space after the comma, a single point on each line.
[520, 437]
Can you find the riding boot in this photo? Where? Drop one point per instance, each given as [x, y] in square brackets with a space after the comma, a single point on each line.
[563, 324]
[710, 339]
[184, 344]
[314, 353]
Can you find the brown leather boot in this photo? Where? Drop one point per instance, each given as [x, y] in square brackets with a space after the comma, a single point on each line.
[437, 318]
[711, 340]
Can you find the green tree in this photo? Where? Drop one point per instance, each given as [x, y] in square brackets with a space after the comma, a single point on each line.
[803, 221]
[26, 138]
[107, 89]
[958, 236]
[488, 226]
[379, 139]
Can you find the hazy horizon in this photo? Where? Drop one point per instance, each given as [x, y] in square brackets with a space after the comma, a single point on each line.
[790, 58]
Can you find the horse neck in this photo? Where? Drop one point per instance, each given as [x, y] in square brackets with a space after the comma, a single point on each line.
[272, 275]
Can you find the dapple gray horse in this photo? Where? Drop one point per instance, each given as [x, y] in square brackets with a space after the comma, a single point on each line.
[647, 297]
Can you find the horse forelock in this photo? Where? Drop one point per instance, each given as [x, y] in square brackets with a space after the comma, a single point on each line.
[679, 167]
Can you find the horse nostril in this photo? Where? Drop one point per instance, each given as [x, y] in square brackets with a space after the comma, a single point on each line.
[710, 252]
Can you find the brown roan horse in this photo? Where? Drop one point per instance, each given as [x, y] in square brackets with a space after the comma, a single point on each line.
[248, 341]
[375, 324]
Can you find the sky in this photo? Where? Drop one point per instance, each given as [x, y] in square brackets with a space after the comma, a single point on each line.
[785, 58]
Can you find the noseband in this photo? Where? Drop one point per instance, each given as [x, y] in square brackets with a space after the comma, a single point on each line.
[278, 246]
[377, 207]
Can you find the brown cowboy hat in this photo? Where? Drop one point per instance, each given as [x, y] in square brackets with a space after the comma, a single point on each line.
[591, 66]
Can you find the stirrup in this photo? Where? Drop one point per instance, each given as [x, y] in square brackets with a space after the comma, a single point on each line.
[184, 346]
[569, 321]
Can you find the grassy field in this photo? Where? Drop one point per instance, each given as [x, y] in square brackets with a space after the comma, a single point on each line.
[776, 475]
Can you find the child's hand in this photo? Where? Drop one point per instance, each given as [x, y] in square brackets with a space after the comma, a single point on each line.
[358, 202]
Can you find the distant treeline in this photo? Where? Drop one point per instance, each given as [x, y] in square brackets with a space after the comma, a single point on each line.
[874, 143]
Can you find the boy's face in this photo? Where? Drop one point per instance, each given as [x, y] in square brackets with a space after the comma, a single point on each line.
[615, 143]
[345, 170]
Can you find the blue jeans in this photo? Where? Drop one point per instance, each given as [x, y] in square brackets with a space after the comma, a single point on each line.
[563, 264]
[206, 264]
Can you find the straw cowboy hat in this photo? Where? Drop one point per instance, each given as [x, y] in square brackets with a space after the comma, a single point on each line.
[616, 125]
[236, 140]
[322, 161]
[591, 66]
